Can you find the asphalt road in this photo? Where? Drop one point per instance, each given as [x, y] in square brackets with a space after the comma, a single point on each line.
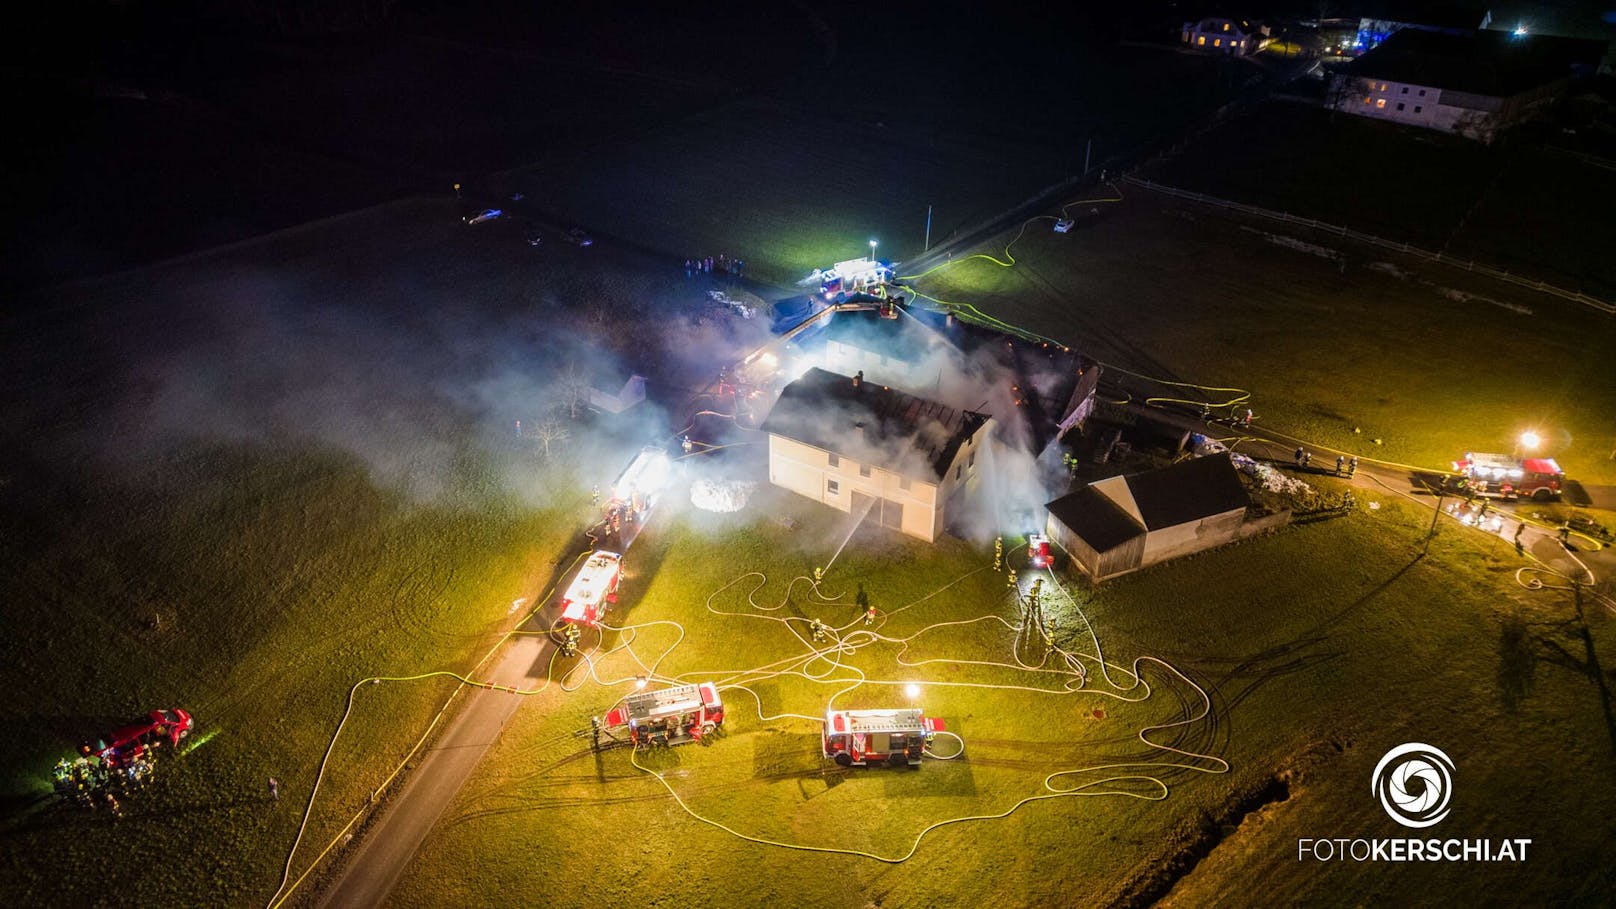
[396, 832]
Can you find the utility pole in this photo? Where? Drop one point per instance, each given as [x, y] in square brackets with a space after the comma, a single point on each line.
[928, 229]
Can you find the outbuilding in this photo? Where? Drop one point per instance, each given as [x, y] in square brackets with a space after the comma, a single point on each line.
[1125, 523]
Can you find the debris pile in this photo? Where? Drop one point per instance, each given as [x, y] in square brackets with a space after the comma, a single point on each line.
[722, 497]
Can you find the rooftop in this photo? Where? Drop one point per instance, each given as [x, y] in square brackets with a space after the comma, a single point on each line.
[872, 423]
[1494, 63]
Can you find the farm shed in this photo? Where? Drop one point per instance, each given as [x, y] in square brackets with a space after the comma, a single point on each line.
[1122, 524]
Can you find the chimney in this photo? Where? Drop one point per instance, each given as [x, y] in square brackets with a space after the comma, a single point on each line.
[858, 378]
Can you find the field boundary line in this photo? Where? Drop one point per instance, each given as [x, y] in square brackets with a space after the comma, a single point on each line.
[1469, 265]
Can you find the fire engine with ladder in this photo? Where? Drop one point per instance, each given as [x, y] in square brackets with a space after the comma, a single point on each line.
[859, 738]
[668, 716]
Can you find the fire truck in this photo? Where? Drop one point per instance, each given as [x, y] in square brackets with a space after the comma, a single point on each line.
[670, 716]
[1509, 478]
[135, 739]
[1039, 553]
[853, 276]
[858, 738]
[633, 496]
[590, 594]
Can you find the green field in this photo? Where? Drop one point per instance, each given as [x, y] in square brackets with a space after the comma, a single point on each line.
[1312, 675]
[1430, 360]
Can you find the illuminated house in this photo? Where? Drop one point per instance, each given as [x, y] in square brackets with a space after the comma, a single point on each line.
[1474, 85]
[1123, 524]
[861, 447]
[1215, 35]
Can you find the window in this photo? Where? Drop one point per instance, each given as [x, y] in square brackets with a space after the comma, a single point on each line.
[903, 482]
[971, 461]
[832, 488]
[1382, 86]
[1405, 89]
[1417, 108]
[957, 469]
[1225, 26]
[1200, 39]
[835, 460]
[864, 470]
[1399, 105]
[1422, 93]
[1217, 42]
[1366, 100]
[1234, 43]
[1380, 102]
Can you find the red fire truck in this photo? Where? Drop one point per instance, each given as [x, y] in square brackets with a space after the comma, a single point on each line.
[632, 497]
[590, 594]
[670, 716]
[858, 738]
[134, 740]
[1039, 553]
[1509, 478]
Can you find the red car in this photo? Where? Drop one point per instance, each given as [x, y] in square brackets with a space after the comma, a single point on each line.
[151, 731]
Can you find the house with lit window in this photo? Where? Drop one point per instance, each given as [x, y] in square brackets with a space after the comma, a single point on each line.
[1215, 35]
[1473, 85]
[867, 448]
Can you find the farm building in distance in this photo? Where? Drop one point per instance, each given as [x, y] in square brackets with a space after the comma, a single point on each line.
[1473, 85]
[1125, 523]
[1216, 35]
[857, 446]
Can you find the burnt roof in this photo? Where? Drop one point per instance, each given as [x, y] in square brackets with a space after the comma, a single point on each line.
[901, 338]
[1095, 519]
[829, 411]
[1493, 63]
[1187, 491]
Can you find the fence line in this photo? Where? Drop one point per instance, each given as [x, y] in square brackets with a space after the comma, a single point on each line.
[1469, 265]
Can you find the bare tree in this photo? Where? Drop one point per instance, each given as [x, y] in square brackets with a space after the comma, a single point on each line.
[551, 434]
[571, 391]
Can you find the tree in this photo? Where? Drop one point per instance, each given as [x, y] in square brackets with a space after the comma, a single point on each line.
[551, 433]
[571, 391]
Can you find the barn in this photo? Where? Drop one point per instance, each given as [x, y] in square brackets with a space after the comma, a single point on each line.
[1125, 523]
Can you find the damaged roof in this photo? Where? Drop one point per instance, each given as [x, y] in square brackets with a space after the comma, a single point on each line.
[829, 411]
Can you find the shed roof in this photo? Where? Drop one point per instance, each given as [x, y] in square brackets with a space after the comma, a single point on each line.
[1095, 519]
[1187, 491]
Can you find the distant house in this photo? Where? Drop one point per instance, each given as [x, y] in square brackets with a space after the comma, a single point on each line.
[1474, 85]
[1215, 35]
[858, 446]
[1125, 523]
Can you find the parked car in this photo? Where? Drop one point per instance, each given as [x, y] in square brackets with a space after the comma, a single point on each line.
[577, 237]
[487, 214]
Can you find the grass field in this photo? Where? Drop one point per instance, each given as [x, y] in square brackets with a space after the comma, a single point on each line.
[1515, 206]
[1322, 646]
[1428, 359]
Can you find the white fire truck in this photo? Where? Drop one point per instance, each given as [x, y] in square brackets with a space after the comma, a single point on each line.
[590, 594]
[633, 496]
[858, 738]
[671, 716]
[1508, 477]
[851, 277]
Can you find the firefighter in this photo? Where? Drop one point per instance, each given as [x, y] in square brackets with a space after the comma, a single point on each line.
[1565, 533]
[594, 495]
[274, 789]
[1519, 548]
[998, 553]
[1247, 421]
[1010, 579]
[686, 444]
[1340, 464]
[819, 630]
[819, 574]
[1298, 456]
[869, 616]
[1352, 465]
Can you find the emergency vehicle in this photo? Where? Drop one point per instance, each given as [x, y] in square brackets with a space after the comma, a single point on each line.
[633, 496]
[1508, 477]
[858, 738]
[588, 596]
[130, 742]
[1039, 553]
[671, 716]
[851, 277]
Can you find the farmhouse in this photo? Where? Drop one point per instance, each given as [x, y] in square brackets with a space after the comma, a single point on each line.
[1125, 523]
[862, 447]
[1473, 85]
[1216, 35]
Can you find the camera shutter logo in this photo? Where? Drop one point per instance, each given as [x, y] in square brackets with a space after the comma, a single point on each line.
[1414, 782]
